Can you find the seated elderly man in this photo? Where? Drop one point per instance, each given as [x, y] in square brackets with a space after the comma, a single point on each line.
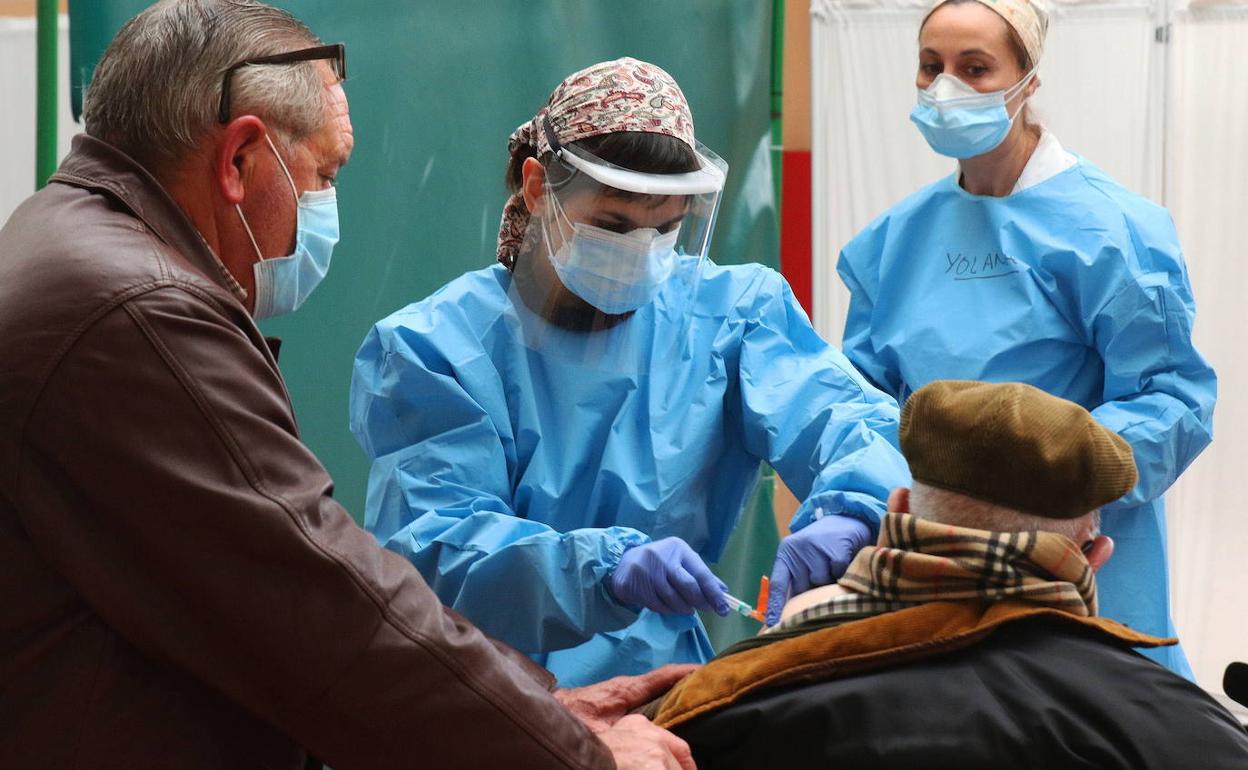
[968, 636]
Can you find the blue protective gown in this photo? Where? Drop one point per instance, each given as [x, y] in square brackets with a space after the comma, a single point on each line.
[515, 476]
[1076, 286]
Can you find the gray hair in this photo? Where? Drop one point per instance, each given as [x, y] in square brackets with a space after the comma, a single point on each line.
[953, 508]
[155, 92]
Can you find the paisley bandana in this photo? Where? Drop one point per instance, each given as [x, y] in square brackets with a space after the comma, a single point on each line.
[621, 95]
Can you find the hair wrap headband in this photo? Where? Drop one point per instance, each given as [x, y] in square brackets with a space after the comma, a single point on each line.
[1029, 18]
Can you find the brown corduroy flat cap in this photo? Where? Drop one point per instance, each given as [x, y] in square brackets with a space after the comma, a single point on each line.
[1014, 445]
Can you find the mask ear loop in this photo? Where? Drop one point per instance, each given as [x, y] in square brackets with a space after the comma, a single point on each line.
[285, 170]
[566, 173]
[239, 208]
[1017, 89]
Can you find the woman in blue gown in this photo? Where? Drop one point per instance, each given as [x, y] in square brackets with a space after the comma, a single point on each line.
[563, 441]
[1030, 264]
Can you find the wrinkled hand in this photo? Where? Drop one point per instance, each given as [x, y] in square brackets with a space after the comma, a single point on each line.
[601, 705]
[815, 555]
[668, 576]
[637, 744]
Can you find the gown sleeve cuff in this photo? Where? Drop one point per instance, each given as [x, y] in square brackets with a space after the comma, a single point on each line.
[858, 506]
[616, 546]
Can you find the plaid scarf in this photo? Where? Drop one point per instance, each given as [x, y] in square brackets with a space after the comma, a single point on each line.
[918, 561]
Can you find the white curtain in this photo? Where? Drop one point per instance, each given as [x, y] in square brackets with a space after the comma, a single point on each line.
[1206, 189]
[1158, 97]
[866, 154]
[17, 109]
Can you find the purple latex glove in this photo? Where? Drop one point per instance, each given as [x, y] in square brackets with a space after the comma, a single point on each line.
[667, 576]
[815, 555]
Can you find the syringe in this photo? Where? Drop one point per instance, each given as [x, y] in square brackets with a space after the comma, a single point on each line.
[739, 606]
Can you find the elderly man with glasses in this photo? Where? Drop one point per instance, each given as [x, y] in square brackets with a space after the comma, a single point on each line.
[180, 588]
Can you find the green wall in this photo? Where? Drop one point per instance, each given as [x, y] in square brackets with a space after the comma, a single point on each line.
[435, 89]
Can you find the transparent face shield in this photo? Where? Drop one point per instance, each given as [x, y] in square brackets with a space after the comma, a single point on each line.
[608, 272]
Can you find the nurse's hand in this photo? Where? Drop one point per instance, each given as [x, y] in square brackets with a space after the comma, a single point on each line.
[667, 576]
[815, 555]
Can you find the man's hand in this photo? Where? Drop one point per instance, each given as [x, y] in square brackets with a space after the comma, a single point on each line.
[637, 744]
[815, 555]
[602, 705]
[669, 577]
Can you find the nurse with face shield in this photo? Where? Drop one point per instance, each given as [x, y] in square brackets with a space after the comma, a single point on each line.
[1031, 264]
[563, 442]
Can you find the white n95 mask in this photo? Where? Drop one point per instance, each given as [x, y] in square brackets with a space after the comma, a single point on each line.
[615, 272]
[959, 122]
[283, 284]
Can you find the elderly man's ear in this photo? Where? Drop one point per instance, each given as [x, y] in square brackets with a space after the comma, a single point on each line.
[1102, 548]
[899, 500]
[238, 154]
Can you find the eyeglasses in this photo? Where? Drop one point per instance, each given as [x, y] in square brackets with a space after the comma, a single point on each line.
[335, 54]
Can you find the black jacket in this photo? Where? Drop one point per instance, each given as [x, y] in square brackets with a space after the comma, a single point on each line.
[1037, 694]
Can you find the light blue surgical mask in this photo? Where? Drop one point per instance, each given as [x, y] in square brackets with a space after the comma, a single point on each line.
[283, 284]
[960, 122]
[615, 272]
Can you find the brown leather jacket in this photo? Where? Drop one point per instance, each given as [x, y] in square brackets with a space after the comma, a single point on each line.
[178, 587]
